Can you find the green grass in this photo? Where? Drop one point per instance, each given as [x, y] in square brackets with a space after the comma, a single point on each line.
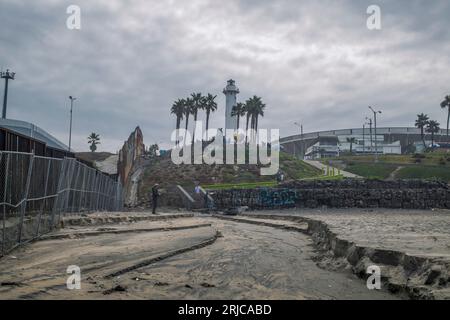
[430, 158]
[422, 172]
[323, 177]
[248, 185]
[297, 169]
[371, 170]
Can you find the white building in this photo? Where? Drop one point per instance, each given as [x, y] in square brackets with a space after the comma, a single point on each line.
[230, 93]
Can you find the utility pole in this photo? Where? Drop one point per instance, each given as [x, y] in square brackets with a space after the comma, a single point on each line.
[370, 132]
[7, 76]
[364, 138]
[72, 99]
[375, 120]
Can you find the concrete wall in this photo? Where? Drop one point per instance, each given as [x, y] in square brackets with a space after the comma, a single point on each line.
[347, 193]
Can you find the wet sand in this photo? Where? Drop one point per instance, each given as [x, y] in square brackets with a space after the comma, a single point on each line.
[244, 262]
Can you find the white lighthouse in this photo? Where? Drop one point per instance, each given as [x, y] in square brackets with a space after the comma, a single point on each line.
[230, 93]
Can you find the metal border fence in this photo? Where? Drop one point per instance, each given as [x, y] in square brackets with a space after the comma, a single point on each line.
[36, 191]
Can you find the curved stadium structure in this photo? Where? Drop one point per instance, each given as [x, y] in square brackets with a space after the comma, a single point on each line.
[388, 140]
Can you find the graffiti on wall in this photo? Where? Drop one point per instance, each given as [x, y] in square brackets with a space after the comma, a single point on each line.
[278, 197]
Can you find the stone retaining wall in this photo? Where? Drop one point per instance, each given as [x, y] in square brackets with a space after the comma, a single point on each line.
[347, 193]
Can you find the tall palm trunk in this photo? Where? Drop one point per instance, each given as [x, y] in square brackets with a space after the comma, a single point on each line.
[186, 128]
[195, 126]
[252, 126]
[423, 137]
[448, 121]
[256, 127]
[178, 130]
[246, 127]
[207, 124]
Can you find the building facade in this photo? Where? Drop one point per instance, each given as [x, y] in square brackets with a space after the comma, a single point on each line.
[388, 140]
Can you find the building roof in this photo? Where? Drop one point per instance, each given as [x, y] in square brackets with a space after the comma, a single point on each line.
[30, 130]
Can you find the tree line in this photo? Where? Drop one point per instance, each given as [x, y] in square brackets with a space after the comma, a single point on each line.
[182, 109]
[432, 127]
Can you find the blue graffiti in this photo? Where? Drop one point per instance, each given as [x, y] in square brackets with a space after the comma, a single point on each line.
[278, 197]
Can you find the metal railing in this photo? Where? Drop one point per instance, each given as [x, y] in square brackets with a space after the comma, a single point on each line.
[36, 191]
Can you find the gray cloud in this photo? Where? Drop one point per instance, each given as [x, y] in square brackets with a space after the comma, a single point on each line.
[311, 61]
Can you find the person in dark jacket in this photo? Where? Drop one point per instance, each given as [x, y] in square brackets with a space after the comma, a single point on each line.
[155, 195]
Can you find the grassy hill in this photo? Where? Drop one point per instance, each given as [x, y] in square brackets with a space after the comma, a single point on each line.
[167, 174]
[433, 165]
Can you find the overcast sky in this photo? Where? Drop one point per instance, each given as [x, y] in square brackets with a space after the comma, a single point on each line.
[313, 62]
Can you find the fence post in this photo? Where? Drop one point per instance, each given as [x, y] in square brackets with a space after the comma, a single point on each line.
[59, 198]
[25, 196]
[82, 191]
[45, 199]
[100, 184]
[74, 189]
[71, 168]
[4, 200]
[86, 187]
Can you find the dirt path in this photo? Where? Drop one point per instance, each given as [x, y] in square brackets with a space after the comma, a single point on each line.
[321, 166]
[246, 262]
[393, 174]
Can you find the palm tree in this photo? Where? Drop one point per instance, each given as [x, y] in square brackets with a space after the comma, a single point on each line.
[351, 140]
[239, 110]
[188, 110]
[256, 109]
[210, 106]
[249, 106]
[433, 127]
[421, 122]
[198, 103]
[93, 140]
[178, 110]
[446, 104]
[259, 110]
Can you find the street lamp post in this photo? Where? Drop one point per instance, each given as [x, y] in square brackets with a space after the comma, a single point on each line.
[370, 132]
[7, 76]
[375, 124]
[72, 99]
[364, 138]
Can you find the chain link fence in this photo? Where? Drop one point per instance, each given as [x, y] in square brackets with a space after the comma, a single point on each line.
[36, 191]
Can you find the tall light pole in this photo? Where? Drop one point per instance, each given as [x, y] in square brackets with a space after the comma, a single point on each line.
[364, 134]
[370, 132]
[7, 76]
[72, 99]
[364, 138]
[375, 123]
[301, 138]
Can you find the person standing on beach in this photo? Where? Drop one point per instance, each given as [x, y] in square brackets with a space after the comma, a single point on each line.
[155, 195]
